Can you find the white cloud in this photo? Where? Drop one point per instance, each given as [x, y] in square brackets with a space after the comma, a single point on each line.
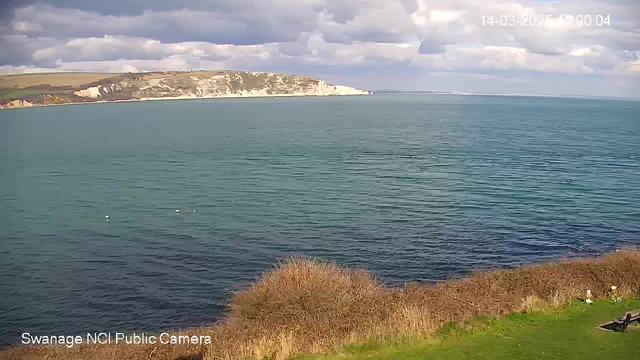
[443, 16]
[363, 40]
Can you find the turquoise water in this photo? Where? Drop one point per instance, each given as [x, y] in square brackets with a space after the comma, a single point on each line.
[413, 187]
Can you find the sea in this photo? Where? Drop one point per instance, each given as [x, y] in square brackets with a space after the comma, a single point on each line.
[413, 187]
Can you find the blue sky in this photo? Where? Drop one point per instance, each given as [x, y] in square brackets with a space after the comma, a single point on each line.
[372, 44]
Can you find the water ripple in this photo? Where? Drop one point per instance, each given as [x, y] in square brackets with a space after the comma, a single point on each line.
[414, 188]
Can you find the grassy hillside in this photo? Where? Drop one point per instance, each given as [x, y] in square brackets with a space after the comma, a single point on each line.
[66, 79]
[568, 333]
[65, 88]
[32, 86]
[305, 306]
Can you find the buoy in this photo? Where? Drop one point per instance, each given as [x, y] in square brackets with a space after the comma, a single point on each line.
[177, 211]
[194, 211]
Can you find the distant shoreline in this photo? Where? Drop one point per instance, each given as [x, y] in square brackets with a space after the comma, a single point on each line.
[461, 93]
[378, 93]
[75, 88]
[178, 98]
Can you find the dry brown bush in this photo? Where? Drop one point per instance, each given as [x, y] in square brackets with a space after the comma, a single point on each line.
[309, 306]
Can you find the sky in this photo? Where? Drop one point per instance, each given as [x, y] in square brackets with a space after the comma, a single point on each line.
[372, 44]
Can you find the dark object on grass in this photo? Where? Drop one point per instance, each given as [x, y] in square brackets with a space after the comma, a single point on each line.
[620, 324]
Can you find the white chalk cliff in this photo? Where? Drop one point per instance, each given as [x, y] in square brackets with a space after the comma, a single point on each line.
[187, 85]
[207, 85]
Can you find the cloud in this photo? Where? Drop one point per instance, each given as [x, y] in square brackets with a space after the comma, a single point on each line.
[168, 26]
[8, 7]
[602, 58]
[364, 41]
[431, 47]
[114, 48]
[18, 49]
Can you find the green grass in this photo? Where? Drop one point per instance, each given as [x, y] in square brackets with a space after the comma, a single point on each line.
[25, 93]
[570, 333]
[56, 79]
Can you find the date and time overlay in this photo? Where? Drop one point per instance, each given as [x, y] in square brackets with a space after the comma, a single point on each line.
[532, 20]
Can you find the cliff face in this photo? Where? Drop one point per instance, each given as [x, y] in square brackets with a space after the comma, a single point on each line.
[190, 85]
[16, 104]
[207, 85]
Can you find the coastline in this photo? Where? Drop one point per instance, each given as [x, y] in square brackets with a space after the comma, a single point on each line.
[69, 88]
[225, 96]
[306, 306]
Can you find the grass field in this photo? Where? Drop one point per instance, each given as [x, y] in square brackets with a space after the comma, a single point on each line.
[24, 93]
[570, 333]
[73, 79]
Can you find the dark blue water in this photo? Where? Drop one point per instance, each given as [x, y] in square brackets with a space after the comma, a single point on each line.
[413, 187]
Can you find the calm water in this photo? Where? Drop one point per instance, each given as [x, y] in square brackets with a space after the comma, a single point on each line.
[413, 187]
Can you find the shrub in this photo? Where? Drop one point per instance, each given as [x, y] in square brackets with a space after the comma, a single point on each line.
[310, 306]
